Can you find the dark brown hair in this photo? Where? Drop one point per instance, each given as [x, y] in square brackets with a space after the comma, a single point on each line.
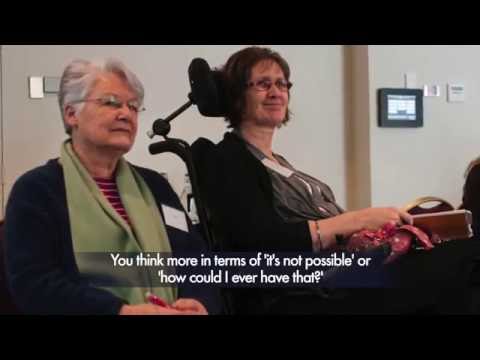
[236, 73]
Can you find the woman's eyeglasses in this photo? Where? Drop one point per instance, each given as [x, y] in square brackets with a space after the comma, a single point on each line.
[114, 102]
[266, 85]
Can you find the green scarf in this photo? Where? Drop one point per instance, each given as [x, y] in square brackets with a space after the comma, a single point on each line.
[96, 227]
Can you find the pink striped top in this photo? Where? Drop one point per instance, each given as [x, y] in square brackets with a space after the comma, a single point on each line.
[110, 190]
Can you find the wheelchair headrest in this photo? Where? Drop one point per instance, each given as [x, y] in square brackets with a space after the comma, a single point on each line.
[207, 89]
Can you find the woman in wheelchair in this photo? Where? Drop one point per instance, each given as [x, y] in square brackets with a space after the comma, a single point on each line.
[278, 202]
[258, 200]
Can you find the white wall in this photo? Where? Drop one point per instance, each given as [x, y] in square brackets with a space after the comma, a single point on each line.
[407, 163]
[313, 141]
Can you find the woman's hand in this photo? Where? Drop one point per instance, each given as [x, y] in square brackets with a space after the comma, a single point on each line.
[148, 309]
[375, 218]
[366, 219]
[179, 307]
[190, 307]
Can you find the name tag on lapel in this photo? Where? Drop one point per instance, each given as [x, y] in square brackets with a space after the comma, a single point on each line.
[175, 218]
[282, 170]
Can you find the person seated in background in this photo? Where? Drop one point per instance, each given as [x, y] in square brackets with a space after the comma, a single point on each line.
[91, 200]
[471, 194]
[259, 200]
[471, 201]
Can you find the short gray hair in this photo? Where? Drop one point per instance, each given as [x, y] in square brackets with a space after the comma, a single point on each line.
[79, 77]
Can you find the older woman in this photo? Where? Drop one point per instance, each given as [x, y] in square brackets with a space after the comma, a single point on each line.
[91, 200]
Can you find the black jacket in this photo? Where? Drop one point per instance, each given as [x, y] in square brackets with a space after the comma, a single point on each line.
[238, 191]
[471, 198]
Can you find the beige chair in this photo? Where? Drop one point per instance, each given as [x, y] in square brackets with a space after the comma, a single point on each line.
[436, 204]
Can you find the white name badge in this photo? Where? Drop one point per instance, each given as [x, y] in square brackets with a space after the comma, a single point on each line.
[282, 170]
[175, 218]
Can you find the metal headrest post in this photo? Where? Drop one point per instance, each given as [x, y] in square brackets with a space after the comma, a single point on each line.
[182, 149]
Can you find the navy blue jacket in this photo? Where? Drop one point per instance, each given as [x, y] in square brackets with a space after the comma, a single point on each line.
[41, 268]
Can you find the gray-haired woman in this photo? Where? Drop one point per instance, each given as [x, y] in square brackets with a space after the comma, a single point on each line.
[91, 200]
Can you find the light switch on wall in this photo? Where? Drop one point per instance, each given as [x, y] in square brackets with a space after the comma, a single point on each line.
[431, 90]
[35, 85]
[455, 93]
